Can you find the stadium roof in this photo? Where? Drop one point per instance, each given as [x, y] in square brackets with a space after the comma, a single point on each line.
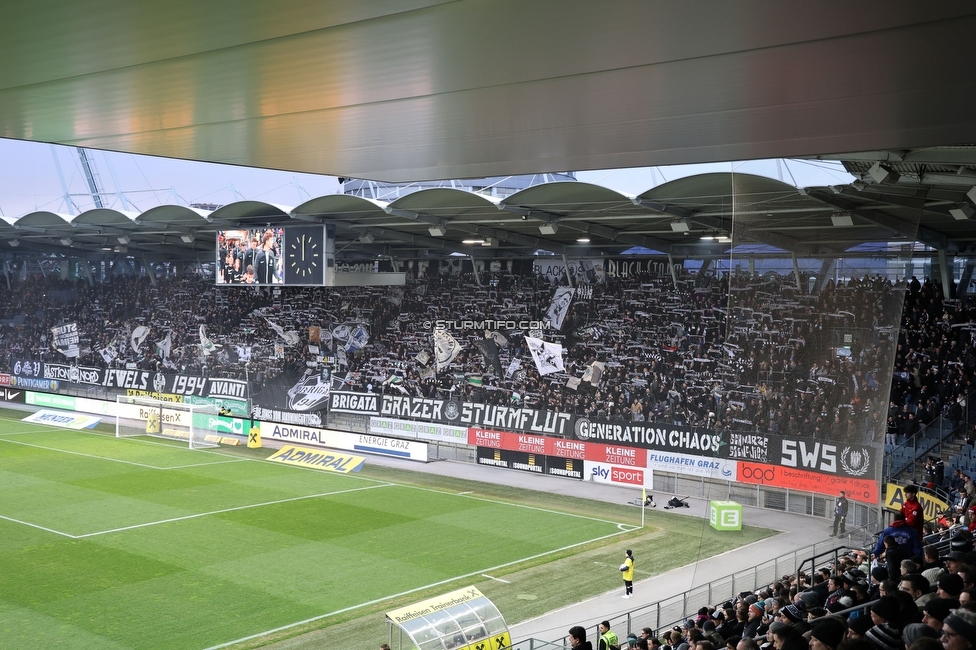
[430, 89]
[672, 218]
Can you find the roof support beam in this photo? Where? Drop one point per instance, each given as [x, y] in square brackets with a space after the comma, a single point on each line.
[894, 224]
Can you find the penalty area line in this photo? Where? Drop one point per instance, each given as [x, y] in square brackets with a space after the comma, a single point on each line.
[217, 512]
[48, 530]
[377, 601]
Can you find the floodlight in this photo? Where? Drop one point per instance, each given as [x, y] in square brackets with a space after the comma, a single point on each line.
[14, 243]
[882, 174]
[971, 194]
[680, 226]
[962, 212]
[187, 238]
[66, 241]
[366, 238]
[548, 229]
[841, 220]
[437, 231]
[124, 239]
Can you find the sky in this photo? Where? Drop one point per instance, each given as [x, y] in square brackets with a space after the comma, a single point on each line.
[36, 176]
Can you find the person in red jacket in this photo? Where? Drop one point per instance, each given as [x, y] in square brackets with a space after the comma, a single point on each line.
[912, 510]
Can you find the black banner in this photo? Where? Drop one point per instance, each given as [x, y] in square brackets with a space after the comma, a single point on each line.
[12, 395]
[446, 411]
[147, 380]
[660, 437]
[825, 456]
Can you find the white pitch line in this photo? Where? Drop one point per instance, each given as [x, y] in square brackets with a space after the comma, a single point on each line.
[78, 453]
[405, 593]
[485, 575]
[217, 512]
[49, 530]
[461, 494]
[119, 460]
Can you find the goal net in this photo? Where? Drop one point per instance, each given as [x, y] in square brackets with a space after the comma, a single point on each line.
[146, 416]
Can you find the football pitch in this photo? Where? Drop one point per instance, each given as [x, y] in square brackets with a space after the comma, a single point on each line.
[142, 543]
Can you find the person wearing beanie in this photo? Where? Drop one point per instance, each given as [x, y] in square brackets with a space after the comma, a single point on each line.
[858, 627]
[950, 586]
[915, 631]
[885, 610]
[935, 611]
[751, 628]
[959, 630]
[827, 634]
[793, 614]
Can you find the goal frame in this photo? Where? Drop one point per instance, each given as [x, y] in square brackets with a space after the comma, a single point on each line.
[164, 419]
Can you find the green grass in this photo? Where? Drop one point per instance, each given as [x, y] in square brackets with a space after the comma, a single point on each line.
[138, 543]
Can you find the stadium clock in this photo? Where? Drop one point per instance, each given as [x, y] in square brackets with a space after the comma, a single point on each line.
[304, 251]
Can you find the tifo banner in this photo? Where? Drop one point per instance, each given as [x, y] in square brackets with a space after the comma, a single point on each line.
[856, 461]
[408, 449]
[864, 490]
[663, 437]
[718, 468]
[146, 380]
[448, 411]
[932, 505]
[317, 459]
[65, 420]
[606, 473]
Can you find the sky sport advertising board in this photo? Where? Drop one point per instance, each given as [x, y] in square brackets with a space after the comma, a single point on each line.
[614, 474]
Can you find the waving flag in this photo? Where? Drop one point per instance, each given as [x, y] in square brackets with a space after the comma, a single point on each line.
[548, 357]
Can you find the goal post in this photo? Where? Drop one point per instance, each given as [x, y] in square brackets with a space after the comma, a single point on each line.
[147, 416]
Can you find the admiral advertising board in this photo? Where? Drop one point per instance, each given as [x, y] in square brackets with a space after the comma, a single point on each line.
[453, 412]
[145, 380]
[407, 449]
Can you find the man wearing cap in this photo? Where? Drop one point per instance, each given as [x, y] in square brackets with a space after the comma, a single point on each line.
[840, 513]
[912, 510]
[959, 630]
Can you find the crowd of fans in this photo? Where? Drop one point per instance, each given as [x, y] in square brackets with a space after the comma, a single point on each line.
[895, 599]
[736, 352]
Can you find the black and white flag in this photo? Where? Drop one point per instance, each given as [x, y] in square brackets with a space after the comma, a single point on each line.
[594, 373]
[139, 335]
[560, 306]
[548, 357]
[489, 350]
[65, 339]
[446, 348]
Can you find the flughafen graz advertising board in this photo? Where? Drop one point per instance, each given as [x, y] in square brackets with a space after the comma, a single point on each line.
[814, 465]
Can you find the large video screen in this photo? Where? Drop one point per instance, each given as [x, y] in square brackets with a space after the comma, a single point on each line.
[293, 255]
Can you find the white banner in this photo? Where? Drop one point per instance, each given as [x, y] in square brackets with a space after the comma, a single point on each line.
[65, 339]
[446, 348]
[364, 443]
[419, 430]
[139, 335]
[719, 468]
[64, 420]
